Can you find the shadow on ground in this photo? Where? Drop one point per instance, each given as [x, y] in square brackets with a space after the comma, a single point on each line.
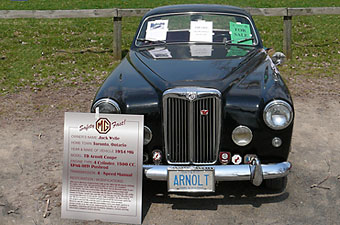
[226, 193]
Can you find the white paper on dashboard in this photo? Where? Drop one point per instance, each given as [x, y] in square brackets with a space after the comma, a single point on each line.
[160, 53]
[200, 50]
[201, 31]
[157, 30]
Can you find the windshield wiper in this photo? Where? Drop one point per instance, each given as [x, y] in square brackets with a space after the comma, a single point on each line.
[240, 41]
[151, 41]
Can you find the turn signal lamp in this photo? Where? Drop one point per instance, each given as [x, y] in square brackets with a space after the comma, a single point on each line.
[276, 142]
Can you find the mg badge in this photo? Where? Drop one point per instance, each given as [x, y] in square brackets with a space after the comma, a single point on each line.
[204, 112]
[191, 96]
[103, 125]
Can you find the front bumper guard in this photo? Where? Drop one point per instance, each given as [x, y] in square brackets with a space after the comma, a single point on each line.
[255, 172]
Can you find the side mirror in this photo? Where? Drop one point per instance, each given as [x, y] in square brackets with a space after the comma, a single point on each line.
[278, 58]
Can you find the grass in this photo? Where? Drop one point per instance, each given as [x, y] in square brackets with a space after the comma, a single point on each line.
[39, 53]
[98, 4]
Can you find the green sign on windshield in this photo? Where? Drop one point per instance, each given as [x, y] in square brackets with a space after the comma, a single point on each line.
[240, 32]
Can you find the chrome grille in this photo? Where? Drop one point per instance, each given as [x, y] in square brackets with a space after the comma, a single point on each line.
[189, 136]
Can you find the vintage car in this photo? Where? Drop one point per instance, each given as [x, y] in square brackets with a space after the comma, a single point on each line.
[215, 106]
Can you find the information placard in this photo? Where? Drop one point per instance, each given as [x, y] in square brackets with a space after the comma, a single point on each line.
[102, 172]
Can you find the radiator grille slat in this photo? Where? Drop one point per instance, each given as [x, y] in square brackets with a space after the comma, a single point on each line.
[192, 129]
[205, 130]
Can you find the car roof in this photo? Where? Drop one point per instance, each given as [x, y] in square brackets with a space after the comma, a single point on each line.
[197, 8]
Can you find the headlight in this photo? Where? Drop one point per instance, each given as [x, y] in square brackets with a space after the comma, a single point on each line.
[278, 114]
[106, 105]
[242, 135]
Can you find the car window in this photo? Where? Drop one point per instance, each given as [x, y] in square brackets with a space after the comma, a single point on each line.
[196, 27]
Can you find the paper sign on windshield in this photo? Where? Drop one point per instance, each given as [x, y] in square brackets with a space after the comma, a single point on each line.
[201, 31]
[157, 30]
[102, 171]
[239, 32]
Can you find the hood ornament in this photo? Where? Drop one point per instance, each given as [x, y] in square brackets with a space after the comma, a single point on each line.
[191, 96]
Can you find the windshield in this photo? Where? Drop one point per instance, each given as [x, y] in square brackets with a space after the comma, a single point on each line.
[196, 28]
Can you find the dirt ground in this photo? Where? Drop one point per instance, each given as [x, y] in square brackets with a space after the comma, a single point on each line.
[31, 147]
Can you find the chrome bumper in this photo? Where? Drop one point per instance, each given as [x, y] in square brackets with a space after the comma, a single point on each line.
[254, 172]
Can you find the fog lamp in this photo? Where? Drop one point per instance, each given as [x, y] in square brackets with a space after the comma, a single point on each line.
[242, 135]
[147, 135]
[276, 142]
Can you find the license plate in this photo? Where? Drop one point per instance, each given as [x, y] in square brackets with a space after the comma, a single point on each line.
[192, 179]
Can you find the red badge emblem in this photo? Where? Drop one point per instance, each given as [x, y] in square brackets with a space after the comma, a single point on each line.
[204, 112]
[236, 159]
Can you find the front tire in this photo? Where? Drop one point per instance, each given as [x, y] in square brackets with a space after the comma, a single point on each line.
[277, 184]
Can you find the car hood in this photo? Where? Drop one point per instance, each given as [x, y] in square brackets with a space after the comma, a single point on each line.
[246, 79]
[199, 65]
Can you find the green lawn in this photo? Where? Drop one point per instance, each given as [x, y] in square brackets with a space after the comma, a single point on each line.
[99, 4]
[38, 53]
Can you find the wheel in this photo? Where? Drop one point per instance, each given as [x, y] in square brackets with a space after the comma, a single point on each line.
[277, 184]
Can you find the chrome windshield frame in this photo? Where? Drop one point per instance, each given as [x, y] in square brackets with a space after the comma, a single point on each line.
[192, 13]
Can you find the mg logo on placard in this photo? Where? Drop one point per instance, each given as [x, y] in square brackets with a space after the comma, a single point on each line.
[103, 125]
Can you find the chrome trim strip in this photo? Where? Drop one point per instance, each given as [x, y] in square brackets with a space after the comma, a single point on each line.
[191, 125]
[181, 92]
[191, 13]
[224, 172]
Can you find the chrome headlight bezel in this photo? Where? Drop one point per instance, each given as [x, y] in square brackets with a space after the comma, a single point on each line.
[276, 104]
[109, 101]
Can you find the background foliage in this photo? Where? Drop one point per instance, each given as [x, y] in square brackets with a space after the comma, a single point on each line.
[40, 53]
